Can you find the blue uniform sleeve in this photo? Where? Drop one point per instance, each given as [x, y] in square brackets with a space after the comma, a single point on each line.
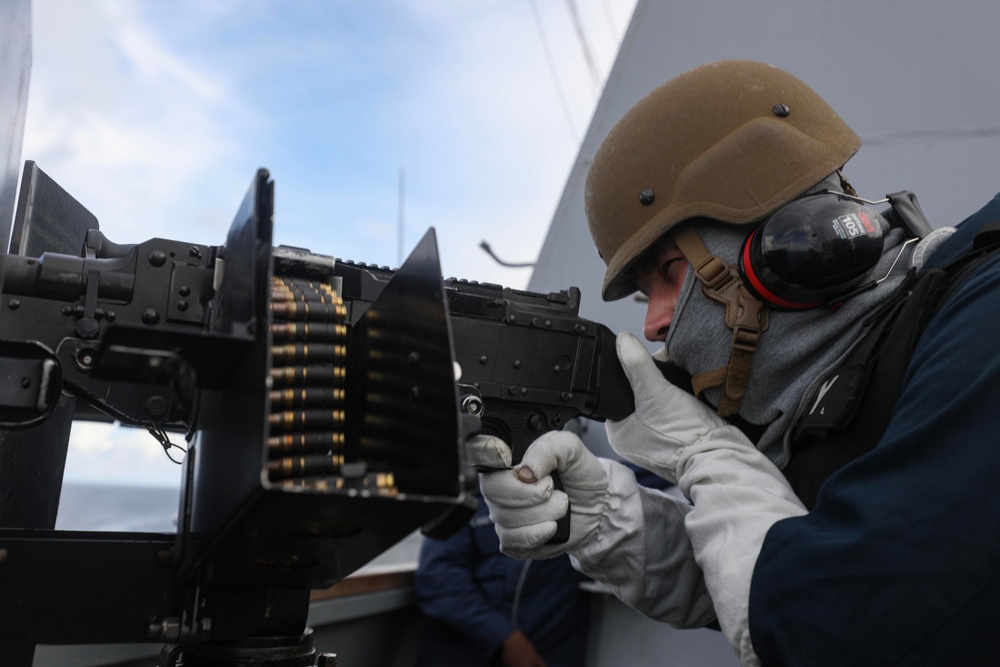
[899, 562]
[447, 591]
[959, 242]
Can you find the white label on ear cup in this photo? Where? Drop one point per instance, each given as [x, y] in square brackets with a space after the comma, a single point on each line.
[851, 225]
[868, 223]
[854, 224]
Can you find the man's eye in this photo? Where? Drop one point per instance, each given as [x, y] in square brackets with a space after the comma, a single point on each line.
[669, 264]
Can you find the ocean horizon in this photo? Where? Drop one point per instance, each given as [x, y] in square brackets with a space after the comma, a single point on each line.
[114, 507]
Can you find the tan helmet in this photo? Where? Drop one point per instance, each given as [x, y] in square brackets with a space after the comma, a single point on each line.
[733, 141]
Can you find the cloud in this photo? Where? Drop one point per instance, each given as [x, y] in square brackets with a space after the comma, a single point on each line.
[489, 150]
[375, 231]
[156, 116]
[129, 456]
[123, 124]
[155, 65]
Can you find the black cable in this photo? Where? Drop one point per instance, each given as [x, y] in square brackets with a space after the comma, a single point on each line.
[555, 73]
[517, 593]
[164, 440]
[584, 44]
[514, 265]
[611, 20]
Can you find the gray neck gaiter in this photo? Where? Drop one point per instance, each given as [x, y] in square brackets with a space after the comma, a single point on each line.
[796, 348]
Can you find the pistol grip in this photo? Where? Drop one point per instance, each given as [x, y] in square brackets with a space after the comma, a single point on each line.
[562, 525]
[510, 424]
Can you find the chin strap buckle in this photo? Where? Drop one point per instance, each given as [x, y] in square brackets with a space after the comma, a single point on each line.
[744, 314]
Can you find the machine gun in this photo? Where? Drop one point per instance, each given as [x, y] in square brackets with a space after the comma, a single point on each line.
[324, 404]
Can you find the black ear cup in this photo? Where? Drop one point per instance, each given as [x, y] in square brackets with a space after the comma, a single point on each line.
[812, 251]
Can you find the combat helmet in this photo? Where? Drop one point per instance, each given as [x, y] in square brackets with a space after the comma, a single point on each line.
[732, 141]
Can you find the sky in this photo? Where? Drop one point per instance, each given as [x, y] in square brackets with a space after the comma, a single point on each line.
[377, 119]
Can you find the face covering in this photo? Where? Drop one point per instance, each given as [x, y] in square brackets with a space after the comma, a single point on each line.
[797, 347]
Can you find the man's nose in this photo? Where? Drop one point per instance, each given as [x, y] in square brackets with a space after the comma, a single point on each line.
[659, 314]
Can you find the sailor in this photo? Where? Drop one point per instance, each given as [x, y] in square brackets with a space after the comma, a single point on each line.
[837, 449]
[483, 609]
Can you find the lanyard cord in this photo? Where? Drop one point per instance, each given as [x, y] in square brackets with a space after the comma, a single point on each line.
[517, 592]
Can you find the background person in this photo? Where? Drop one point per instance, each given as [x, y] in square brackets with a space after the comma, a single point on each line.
[485, 608]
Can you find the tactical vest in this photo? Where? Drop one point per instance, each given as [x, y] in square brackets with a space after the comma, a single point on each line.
[852, 404]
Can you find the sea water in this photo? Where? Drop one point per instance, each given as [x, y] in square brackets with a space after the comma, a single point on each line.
[113, 507]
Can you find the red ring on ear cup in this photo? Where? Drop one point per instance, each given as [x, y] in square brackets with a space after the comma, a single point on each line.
[753, 282]
[812, 251]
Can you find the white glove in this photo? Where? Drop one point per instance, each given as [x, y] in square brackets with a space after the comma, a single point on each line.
[666, 419]
[737, 493]
[630, 538]
[523, 502]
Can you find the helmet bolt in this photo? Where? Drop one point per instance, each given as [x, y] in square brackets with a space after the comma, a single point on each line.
[781, 110]
[646, 197]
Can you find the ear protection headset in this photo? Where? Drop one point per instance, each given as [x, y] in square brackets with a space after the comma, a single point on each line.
[820, 249]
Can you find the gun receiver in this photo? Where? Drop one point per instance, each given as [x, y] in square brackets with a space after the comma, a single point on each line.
[522, 353]
[527, 363]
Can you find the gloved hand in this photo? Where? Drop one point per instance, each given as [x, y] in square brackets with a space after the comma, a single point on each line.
[736, 492]
[630, 538]
[524, 505]
[666, 419]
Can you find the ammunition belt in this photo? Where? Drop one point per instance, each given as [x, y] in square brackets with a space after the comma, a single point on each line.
[306, 422]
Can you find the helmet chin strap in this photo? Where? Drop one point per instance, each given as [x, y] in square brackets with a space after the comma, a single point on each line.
[744, 314]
